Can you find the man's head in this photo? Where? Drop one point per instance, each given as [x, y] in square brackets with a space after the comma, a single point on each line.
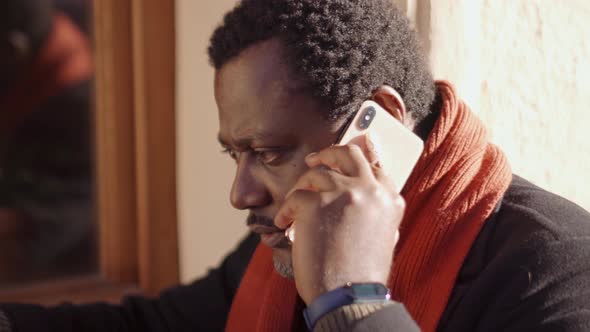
[24, 26]
[289, 73]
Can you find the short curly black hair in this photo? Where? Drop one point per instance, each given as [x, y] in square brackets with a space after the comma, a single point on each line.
[343, 49]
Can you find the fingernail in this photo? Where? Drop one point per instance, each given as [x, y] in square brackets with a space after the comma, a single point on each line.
[290, 233]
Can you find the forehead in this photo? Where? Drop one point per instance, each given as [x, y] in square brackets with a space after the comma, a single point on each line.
[263, 65]
[257, 94]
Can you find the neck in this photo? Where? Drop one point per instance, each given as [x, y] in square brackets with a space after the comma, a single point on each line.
[425, 127]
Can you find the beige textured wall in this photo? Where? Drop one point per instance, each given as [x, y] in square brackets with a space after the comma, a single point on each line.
[523, 65]
[208, 225]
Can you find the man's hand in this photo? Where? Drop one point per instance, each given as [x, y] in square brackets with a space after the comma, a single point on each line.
[346, 213]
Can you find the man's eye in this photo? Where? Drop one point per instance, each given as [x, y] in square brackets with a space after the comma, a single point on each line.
[232, 153]
[268, 157]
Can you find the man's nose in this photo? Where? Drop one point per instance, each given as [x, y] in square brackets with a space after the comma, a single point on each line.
[247, 191]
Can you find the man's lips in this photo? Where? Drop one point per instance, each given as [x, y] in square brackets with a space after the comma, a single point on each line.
[271, 236]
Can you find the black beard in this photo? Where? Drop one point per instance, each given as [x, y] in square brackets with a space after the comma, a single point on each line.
[284, 269]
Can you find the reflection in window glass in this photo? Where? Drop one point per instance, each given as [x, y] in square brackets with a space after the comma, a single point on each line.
[47, 226]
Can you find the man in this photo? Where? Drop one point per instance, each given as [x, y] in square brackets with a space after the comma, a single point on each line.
[466, 246]
[45, 155]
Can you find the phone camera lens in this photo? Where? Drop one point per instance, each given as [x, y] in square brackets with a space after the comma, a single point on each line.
[367, 118]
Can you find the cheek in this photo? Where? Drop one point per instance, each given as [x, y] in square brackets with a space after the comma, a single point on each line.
[284, 178]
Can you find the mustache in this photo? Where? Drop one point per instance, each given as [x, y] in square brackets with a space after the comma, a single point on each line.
[254, 219]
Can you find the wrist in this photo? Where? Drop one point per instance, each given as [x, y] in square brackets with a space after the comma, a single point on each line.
[351, 293]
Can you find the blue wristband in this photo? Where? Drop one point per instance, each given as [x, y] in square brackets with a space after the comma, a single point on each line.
[339, 297]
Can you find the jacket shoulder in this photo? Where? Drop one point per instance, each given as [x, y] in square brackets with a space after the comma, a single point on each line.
[529, 268]
[542, 211]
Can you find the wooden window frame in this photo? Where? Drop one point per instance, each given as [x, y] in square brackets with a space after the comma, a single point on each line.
[135, 140]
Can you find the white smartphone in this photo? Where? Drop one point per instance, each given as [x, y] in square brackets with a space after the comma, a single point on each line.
[398, 147]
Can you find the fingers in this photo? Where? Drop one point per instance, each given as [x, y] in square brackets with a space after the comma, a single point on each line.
[347, 159]
[295, 202]
[357, 158]
[319, 179]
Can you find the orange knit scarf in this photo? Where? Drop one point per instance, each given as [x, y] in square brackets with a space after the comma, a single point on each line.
[452, 191]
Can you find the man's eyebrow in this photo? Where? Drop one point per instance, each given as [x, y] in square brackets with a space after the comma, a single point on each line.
[246, 141]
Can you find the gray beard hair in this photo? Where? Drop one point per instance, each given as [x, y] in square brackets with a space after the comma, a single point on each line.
[285, 270]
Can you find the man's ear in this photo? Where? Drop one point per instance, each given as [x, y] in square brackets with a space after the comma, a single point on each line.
[388, 98]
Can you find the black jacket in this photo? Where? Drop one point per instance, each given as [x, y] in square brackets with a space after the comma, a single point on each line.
[529, 270]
